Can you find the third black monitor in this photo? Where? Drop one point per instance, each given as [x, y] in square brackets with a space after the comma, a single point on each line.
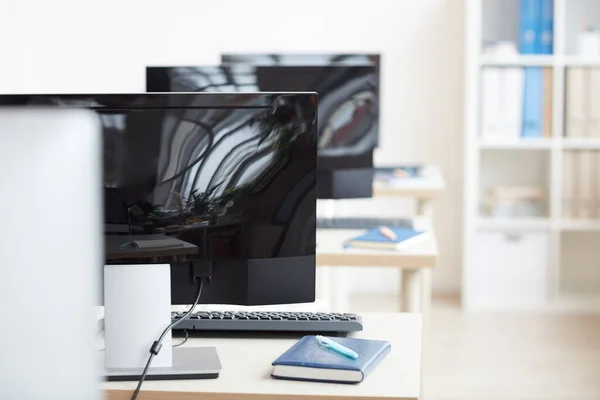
[348, 112]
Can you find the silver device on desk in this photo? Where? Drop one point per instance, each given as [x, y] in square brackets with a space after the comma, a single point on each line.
[50, 166]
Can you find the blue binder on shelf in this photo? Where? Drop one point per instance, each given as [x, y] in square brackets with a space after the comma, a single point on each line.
[530, 29]
[547, 31]
[533, 102]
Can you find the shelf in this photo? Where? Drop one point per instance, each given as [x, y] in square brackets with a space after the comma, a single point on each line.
[518, 61]
[580, 225]
[568, 225]
[521, 224]
[580, 144]
[523, 144]
[571, 246]
[578, 61]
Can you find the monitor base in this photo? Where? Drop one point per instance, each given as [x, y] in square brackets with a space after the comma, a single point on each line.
[352, 183]
[188, 363]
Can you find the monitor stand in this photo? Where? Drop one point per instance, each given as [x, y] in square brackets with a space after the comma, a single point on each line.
[187, 363]
[137, 308]
[353, 183]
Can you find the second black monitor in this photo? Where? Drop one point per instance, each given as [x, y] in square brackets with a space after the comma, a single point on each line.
[304, 59]
[348, 114]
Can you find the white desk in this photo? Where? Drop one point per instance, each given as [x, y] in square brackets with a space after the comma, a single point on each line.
[423, 189]
[414, 263]
[247, 365]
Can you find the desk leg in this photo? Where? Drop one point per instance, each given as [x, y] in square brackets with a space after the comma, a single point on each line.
[416, 292]
[424, 207]
[426, 276]
[411, 290]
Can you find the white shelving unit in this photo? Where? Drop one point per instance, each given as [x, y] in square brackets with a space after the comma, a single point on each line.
[532, 263]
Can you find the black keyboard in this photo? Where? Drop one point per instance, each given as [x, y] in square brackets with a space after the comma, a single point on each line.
[362, 223]
[308, 322]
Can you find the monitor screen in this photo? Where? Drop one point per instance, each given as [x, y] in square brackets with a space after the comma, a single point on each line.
[304, 59]
[348, 100]
[219, 185]
[204, 176]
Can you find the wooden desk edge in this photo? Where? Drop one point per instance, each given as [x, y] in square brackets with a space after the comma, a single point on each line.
[436, 185]
[412, 261]
[156, 395]
[422, 193]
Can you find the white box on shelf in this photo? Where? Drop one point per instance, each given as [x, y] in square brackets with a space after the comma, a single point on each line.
[510, 270]
[588, 43]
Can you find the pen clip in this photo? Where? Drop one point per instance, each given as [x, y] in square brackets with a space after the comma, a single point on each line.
[323, 342]
[336, 347]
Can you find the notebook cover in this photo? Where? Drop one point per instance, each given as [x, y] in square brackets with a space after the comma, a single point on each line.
[376, 237]
[396, 173]
[307, 352]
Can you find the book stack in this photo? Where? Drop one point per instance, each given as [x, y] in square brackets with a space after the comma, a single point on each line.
[582, 119]
[516, 103]
[516, 201]
[581, 184]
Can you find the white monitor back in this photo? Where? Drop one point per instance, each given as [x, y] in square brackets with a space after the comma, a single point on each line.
[51, 253]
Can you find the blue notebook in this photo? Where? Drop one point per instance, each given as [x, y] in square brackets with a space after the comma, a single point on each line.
[307, 360]
[391, 174]
[375, 239]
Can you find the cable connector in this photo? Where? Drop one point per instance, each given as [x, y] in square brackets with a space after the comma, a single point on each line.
[156, 346]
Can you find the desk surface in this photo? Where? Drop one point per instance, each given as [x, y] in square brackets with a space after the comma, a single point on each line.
[247, 365]
[331, 251]
[429, 185]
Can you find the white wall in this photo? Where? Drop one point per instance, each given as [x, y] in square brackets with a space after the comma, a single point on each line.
[83, 46]
[4, 86]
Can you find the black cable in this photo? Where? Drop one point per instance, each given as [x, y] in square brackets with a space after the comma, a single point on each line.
[187, 335]
[156, 346]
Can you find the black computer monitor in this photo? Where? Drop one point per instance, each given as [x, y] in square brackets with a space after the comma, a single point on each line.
[303, 59]
[228, 179]
[348, 111]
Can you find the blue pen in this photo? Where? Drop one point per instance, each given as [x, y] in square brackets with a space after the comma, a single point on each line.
[338, 348]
